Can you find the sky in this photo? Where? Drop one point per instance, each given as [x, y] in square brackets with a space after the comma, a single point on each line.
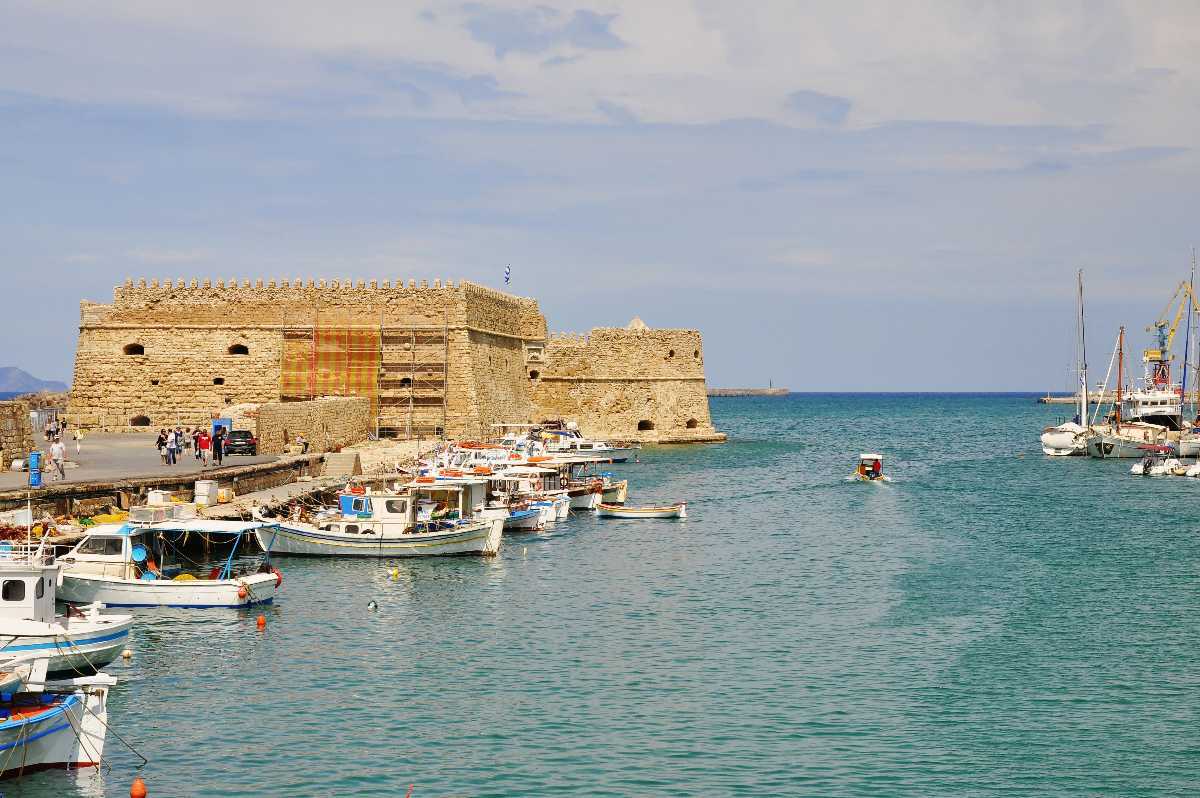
[839, 196]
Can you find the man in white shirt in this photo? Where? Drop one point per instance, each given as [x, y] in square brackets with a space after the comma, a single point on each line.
[58, 456]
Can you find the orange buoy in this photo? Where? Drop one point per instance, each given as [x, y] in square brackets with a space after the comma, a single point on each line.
[261, 623]
[138, 788]
[242, 592]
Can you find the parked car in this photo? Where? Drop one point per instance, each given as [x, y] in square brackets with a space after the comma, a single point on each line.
[241, 441]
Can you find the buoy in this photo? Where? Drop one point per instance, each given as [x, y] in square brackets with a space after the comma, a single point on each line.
[372, 606]
[126, 654]
[261, 623]
[138, 788]
[395, 573]
[242, 592]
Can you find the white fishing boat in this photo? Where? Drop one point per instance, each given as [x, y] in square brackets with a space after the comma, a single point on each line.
[678, 510]
[429, 517]
[1119, 437]
[127, 565]
[567, 440]
[50, 724]
[79, 641]
[524, 519]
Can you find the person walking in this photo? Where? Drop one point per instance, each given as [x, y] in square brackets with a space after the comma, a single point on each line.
[195, 435]
[172, 447]
[78, 435]
[203, 445]
[58, 456]
[161, 445]
[218, 445]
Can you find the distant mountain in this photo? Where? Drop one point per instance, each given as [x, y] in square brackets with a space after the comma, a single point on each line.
[14, 380]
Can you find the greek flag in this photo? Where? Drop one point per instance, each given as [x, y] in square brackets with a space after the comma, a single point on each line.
[507, 274]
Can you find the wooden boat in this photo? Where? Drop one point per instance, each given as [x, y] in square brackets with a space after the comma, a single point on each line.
[870, 468]
[126, 565]
[431, 516]
[620, 511]
[75, 642]
[50, 724]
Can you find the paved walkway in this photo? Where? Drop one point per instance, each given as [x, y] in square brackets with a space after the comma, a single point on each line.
[114, 456]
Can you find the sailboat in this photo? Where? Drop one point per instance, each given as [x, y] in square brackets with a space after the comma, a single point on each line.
[1119, 438]
[1069, 439]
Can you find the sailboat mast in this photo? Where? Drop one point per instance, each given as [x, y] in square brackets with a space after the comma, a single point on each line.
[1120, 375]
[1187, 340]
[1083, 390]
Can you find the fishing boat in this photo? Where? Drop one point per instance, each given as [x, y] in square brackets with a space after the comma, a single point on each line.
[1158, 461]
[50, 724]
[1119, 437]
[678, 510]
[566, 439]
[1068, 439]
[524, 519]
[78, 641]
[429, 517]
[870, 468]
[132, 565]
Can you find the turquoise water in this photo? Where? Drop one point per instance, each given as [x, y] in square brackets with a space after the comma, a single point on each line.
[992, 623]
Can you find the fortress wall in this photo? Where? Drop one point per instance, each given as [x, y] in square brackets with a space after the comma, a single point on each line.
[616, 379]
[327, 423]
[16, 434]
[110, 388]
[501, 390]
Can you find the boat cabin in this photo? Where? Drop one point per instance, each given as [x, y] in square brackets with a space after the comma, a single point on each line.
[27, 582]
[147, 552]
[423, 505]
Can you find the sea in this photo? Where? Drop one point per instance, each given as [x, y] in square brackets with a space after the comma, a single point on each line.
[993, 622]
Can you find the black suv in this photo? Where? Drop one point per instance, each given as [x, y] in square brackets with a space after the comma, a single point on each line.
[241, 441]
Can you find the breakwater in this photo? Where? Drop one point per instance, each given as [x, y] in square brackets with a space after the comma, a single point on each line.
[748, 391]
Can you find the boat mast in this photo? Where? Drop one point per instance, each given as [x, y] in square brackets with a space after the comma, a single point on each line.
[1187, 341]
[1120, 375]
[1083, 385]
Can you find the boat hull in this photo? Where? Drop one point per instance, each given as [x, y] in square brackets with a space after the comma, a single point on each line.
[80, 648]
[191, 594]
[1105, 446]
[616, 492]
[1064, 441]
[68, 734]
[524, 521]
[584, 501]
[481, 537]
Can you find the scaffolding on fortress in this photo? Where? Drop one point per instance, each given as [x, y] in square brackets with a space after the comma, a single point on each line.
[401, 369]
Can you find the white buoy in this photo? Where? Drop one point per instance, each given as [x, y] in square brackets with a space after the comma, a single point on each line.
[126, 654]
[372, 606]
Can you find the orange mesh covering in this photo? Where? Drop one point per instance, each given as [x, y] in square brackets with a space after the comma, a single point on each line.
[332, 361]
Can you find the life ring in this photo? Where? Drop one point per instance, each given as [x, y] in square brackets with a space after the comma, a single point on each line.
[278, 576]
[358, 490]
[424, 480]
[563, 482]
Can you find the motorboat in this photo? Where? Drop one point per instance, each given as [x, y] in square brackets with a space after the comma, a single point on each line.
[870, 468]
[1065, 440]
[79, 641]
[45, 724]
[1158, 461]
[135, 565]
[678, 510]
[429, 517]
[566, 439]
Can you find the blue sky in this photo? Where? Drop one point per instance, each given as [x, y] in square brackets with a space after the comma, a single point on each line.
[850, 196]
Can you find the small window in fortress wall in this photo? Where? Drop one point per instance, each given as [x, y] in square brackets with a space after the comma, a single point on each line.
[696, 354]
[134, 349]
[533, 375]
[218, 380]
[692, 423]
[139, 421]
[645, 424]
[239, 349]
[670, 353]
[406, 382]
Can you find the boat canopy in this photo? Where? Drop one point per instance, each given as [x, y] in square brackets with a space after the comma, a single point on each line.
[870, 457]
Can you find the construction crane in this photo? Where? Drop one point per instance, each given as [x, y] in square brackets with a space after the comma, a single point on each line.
[1159, 358]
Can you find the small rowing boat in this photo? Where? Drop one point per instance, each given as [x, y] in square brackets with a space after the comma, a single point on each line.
[620, 511]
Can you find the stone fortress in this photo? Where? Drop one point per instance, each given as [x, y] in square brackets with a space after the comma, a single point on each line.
[430, 360]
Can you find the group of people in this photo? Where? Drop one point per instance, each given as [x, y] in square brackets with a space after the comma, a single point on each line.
[172, 443]
[56, 430]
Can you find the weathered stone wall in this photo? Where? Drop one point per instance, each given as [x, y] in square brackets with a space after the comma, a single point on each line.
[327, 423]
[452, 359]
[627, 384]
[16, 435]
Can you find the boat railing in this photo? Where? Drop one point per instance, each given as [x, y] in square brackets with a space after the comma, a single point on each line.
[26, 553]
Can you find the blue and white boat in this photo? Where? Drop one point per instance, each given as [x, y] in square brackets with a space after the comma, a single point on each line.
[429, 517]
[131, 565]
[79, 641]
[50, 724]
